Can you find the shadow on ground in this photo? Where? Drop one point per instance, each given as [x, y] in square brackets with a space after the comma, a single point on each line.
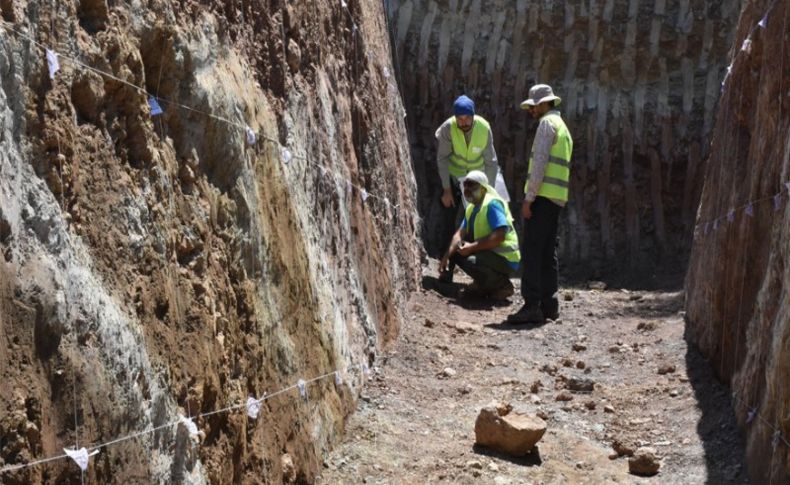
[452, 291]
[721, 438]
[528, 460]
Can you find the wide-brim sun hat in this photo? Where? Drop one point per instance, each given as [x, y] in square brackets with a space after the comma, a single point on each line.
[540, 93]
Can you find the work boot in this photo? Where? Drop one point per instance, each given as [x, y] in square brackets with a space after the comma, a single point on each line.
[552, 312]
[504, 292]
[472, 290]
[527, 314]
[446, 276]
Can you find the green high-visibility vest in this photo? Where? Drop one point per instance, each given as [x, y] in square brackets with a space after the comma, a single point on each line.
[508, 248]
[558, 171]
[466, 158]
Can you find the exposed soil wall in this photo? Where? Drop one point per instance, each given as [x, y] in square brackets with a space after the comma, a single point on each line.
[160, 265]
[739, 278]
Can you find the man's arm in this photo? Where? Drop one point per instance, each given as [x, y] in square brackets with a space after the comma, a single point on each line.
[491, 162]
[455, 245]
[443, 152]
[489, 242]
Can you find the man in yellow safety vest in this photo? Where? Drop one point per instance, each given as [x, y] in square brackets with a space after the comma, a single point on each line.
[485, 246]
[545, 194]
[465, 143]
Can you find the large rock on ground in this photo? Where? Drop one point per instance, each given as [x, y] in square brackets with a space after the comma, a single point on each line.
[514, 433]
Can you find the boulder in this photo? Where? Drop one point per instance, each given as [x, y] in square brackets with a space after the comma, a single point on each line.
[499, 428]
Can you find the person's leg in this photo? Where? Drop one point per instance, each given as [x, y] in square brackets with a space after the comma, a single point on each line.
[486, 268]
[535, 242]
[550, 266]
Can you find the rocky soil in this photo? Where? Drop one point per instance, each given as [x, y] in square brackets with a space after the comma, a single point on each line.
[415, 421]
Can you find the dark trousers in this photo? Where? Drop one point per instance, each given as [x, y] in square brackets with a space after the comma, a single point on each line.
[489, 270]
[451, 217]
[540, 267]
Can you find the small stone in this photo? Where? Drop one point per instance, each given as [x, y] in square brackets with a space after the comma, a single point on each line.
[644, 462]
[493, 467]
[567, 296]
[580, 364]
[614, 349]
[608, 409]
[622, 449]
[590, 405]
[543, 415]
[579, 384]
[447, 372]
[535, 399]
[429, 323]
[596, 285]
[549, 369]
[666, 369]
[500, 480]
[474, 464]
[674, 393]
[579, 347]
[535, 387]
[567, 363]
[564, 396]
[646, 326]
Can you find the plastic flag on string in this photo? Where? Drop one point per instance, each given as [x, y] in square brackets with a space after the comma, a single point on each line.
[189, 425]
[763, 21]
[749, 210]
[386, 73]
[365, 369]
[726, 76]
[52, 62]
[154, 105]
[302, 385]
[285, 154]
[776, 438]
[777, 202]
[731, 216]
[338, 378]
[747, 46]
[707, 228]
[349, 187]
[253, 407]
[751, 415]
[251, 137]
[343, 4]
[81, 457]
[364, 194]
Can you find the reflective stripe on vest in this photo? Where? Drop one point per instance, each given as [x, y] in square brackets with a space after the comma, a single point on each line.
[508, 248]
[466, 158]
[558, 169]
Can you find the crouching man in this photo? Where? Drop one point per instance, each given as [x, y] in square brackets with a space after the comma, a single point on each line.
[486, 245]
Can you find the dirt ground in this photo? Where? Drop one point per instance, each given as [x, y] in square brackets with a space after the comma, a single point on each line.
[415, 420]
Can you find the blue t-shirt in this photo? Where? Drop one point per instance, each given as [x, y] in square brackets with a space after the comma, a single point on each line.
[496, 220]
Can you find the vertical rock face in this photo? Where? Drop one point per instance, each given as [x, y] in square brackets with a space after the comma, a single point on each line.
[156, 266]
[639, 81]
[739, 277]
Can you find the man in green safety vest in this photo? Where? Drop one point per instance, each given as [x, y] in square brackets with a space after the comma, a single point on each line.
[465, 143]
[485, 246]
[545, 194]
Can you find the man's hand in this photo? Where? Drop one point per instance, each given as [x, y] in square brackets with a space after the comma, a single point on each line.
[447, 198]
[526, 209]
[465, 248]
